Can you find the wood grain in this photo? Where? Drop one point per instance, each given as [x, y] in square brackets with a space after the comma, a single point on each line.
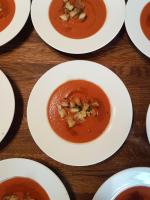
[27, 57]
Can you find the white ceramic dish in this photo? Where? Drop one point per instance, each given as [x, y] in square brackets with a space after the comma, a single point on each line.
[7, 105]
[113, 24]
[30, 169]
[139, 176]
[148, 123]
[133, 26]
[88, 153]
[18, 21]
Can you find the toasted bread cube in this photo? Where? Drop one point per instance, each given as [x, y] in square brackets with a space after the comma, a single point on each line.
[82, 16]
[72, 104]
[59, 107]
[86, 106]
[69, 6]
[88, 114]
[65, 104]
[80, 116]
[64, 17]
[74, 110]
[71, 123]
[74, 12]
[61, 111]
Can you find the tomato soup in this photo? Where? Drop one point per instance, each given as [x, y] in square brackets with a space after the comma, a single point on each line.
[22, 189]
[145, 20]
[79, 111]
[135, 193]
[94, 13]
[7, 11]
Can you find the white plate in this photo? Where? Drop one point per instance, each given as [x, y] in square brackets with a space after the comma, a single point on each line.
[113, 24]
[7, 105]
[148, 123]
[18, 21]
[88, 153]
[138, 176]
[133, 26]
[30, 169]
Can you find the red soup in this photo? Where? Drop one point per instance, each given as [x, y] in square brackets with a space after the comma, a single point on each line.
[145, 20]
[22, 189]
[135, 193]
[79, 111]
[7, 11]
[77, 18]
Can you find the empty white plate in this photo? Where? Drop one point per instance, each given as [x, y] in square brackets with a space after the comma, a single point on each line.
[133, 13]
[19, 167]
[138, 176]
[114, 21]
[148, 123]
[7, 105]
[74, 153]
[21, 14]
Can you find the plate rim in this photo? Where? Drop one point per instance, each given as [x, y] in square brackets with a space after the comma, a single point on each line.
[14, 104]
[137, 39]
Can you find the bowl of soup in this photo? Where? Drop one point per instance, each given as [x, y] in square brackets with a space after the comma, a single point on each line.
[13, 16]
[77, 18]
[73, 106]
[129, 184]
[77, 26]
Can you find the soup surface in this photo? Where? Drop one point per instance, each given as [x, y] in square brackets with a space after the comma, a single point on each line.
[145, 20]
[77, 18]
[135, 193]
[78, 111]
[22, 189]
[7, 11]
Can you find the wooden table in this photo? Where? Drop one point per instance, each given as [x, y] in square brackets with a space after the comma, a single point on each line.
[27, 57]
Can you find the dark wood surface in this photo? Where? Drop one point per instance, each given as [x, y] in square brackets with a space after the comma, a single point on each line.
[27, 57]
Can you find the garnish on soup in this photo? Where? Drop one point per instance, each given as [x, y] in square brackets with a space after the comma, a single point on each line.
[78, 111]
[20, 188]
[77, 18]
[73, 11]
